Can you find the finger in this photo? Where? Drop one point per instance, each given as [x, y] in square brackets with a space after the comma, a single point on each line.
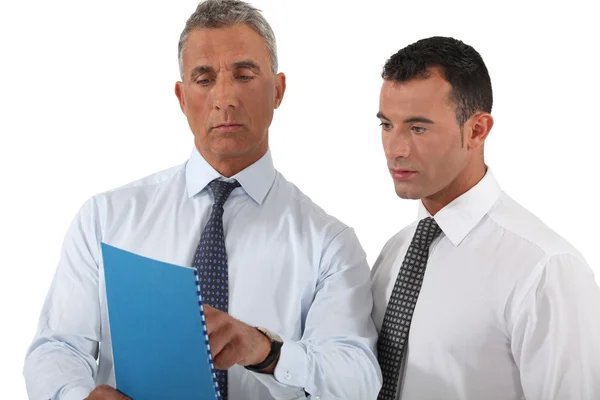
[214, 319]
[101, 392]
[208, 309]
[220, 339]
[121, 396]
[106, 392]
[226, 358]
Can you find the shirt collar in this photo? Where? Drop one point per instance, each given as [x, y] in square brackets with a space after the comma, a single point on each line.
[255, 179]
[458, 218]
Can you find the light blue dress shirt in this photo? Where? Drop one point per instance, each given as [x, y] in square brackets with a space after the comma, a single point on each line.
[292, 268]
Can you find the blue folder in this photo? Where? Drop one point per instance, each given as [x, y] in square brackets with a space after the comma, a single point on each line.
[159, 341]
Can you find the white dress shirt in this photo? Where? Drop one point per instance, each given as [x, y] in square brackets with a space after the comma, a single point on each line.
[507, 310]
[292, 269]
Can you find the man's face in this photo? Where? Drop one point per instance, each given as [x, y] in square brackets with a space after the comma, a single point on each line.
[422, 140]
[229, 93]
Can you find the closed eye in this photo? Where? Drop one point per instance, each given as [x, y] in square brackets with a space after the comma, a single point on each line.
[203, 82]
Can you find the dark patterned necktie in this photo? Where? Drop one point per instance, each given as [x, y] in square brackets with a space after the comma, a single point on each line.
[393, 338]
[211, 261]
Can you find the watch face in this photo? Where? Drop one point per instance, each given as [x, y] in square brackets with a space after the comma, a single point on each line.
[272, 336]
[276, 337]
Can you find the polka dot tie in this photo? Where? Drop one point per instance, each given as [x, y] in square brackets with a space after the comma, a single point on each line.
[211, 261]
[393, 337]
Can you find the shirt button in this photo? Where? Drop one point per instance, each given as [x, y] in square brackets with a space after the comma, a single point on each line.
[287, 376]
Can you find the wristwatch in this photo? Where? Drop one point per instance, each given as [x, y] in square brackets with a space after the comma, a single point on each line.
[276, 343]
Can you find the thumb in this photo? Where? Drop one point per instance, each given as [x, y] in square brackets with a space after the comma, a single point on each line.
[122, 396]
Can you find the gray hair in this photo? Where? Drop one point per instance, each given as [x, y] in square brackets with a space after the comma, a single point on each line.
[212, 14]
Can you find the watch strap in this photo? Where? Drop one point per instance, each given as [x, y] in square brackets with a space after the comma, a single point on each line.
[271, 357]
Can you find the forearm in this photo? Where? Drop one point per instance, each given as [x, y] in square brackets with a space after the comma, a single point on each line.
[344, 369]
[61, 361]
[55, 370]
[334, 357]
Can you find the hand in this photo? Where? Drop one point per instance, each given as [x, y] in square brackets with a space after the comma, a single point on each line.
[233, 342]
[106, 392]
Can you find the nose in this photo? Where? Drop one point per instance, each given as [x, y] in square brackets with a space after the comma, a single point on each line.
[396, 145]
[225, 94]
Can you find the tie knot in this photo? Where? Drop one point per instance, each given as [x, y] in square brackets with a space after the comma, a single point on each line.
[426, 232]
[221, 190]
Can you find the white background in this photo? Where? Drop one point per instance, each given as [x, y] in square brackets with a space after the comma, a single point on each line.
[87, 104]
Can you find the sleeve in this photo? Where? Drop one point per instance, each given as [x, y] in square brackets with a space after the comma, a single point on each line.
[335, 358]
[61, 361]
[556, 332]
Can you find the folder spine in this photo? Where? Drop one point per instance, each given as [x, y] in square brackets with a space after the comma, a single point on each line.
[206, 341]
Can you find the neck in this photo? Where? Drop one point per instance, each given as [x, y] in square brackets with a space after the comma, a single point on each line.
[229, 165]
[462, 184]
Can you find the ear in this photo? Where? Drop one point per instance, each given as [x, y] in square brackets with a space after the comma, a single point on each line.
[478, 129]
[279, 88]
[180, 96]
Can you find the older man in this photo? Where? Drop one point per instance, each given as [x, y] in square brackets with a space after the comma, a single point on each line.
[293, 271]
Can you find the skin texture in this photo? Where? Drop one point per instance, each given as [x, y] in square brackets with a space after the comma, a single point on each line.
[430, 157]
[229, 95]
[234, 342]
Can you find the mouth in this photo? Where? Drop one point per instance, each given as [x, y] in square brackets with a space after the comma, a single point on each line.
[402, 174]
[227, 127]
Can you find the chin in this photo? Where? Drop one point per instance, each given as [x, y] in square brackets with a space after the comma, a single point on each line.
[236, 149]
[408, 196]
[407, 193]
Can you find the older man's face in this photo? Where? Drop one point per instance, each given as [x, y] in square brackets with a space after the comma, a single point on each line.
[229, 93]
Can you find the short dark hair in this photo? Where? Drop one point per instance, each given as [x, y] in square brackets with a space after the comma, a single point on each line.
[460, 64]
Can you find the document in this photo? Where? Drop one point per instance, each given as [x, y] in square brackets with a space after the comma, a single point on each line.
[157, 327]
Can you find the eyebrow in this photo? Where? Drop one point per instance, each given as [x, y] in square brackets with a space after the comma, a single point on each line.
[203, 69]
[249, 64]
[422, 120]
[199, 70]
[381, 116]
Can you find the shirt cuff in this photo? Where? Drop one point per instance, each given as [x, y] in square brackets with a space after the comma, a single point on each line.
[74, 393]
[291, 369]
